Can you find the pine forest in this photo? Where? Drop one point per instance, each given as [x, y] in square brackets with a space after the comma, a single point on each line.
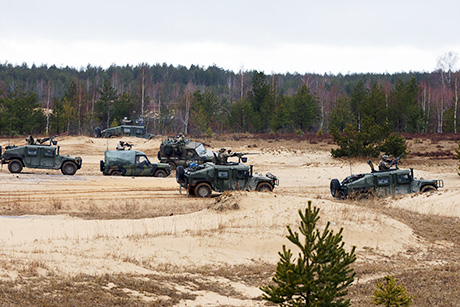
[206, 101]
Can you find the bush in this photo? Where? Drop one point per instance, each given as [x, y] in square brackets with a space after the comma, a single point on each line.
[394, 145]
[391, 294]
[353, 143]
[321, 274]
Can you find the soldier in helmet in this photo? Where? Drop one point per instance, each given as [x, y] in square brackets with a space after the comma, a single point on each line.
[181, 138]
[30, 140]
[121, 145]
[385, 163]
[223, 156]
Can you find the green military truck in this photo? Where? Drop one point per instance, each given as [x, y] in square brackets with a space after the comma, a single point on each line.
[123, 130]
[37, 154]
[177, 152]
[382, 183]
[201, 180]
[131, 163]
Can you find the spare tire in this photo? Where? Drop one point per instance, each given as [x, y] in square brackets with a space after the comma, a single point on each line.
[101, 165]
[335, 186]
[180, 174]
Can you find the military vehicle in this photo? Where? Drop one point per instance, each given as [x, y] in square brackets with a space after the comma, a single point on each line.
[201, 180]
[131, 163]
[177, 152]
[37, 154]
[382, 183]
[123, 130]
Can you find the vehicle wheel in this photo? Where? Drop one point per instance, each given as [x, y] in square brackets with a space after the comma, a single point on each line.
[15, 166]
[101, 165]
[68, 168]
[160, 173]
[428, 189]
[191, 192]
[173, 165]
[203, 190]
[159, 155]
[115, 173]
[264, 187]
[180, 174]
[335, 186]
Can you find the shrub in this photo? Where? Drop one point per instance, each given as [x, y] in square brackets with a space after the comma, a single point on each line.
[394, 145]
[391, 294]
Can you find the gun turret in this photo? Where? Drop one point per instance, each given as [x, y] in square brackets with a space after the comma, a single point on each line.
[241, 155]
[395, 162]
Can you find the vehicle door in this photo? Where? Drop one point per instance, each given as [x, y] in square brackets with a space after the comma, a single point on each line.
[223, 180]
[126, 131]
[402, 183]
[140, 132]
[190, 156]
[241, 179]
[142, 167]
[383, 184]
[32, 156]
[48, 156]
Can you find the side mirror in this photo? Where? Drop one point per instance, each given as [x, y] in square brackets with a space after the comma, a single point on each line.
[244, 159]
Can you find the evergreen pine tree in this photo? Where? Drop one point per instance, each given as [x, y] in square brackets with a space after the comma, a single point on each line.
[391, 294]
[320, 275]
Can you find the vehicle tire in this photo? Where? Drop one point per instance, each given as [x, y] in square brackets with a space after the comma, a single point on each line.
[203, 190]
[173, 165]
[264, 187]
[180, 174]
[428, 189]
[159, 155]
[335, 186]
[160, 173]
[115, 173]
[68, 168]
[101, 165]
[15, 166]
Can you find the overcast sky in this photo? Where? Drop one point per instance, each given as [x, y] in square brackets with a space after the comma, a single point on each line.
[323, 36]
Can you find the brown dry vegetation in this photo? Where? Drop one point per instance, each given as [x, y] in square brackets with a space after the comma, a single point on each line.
[94, 240]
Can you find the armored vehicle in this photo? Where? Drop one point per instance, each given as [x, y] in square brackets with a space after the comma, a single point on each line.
[382, 183]
[178, 152]
[201, 180]
[37, 154]
[131, 163]
[123, 130]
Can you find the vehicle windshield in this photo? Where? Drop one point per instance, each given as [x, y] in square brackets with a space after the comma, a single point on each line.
[141, 159]
[200, 150]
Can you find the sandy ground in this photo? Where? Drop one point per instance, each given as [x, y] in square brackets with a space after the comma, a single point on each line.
[183, 231]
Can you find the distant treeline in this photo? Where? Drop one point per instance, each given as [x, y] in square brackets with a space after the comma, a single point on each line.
[204, 101]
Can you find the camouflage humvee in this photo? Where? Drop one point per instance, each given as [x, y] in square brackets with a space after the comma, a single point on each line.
[382, 183]
[131, 163]
[37, 154]
[123, 130]
[201, 180]
[182, 153]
